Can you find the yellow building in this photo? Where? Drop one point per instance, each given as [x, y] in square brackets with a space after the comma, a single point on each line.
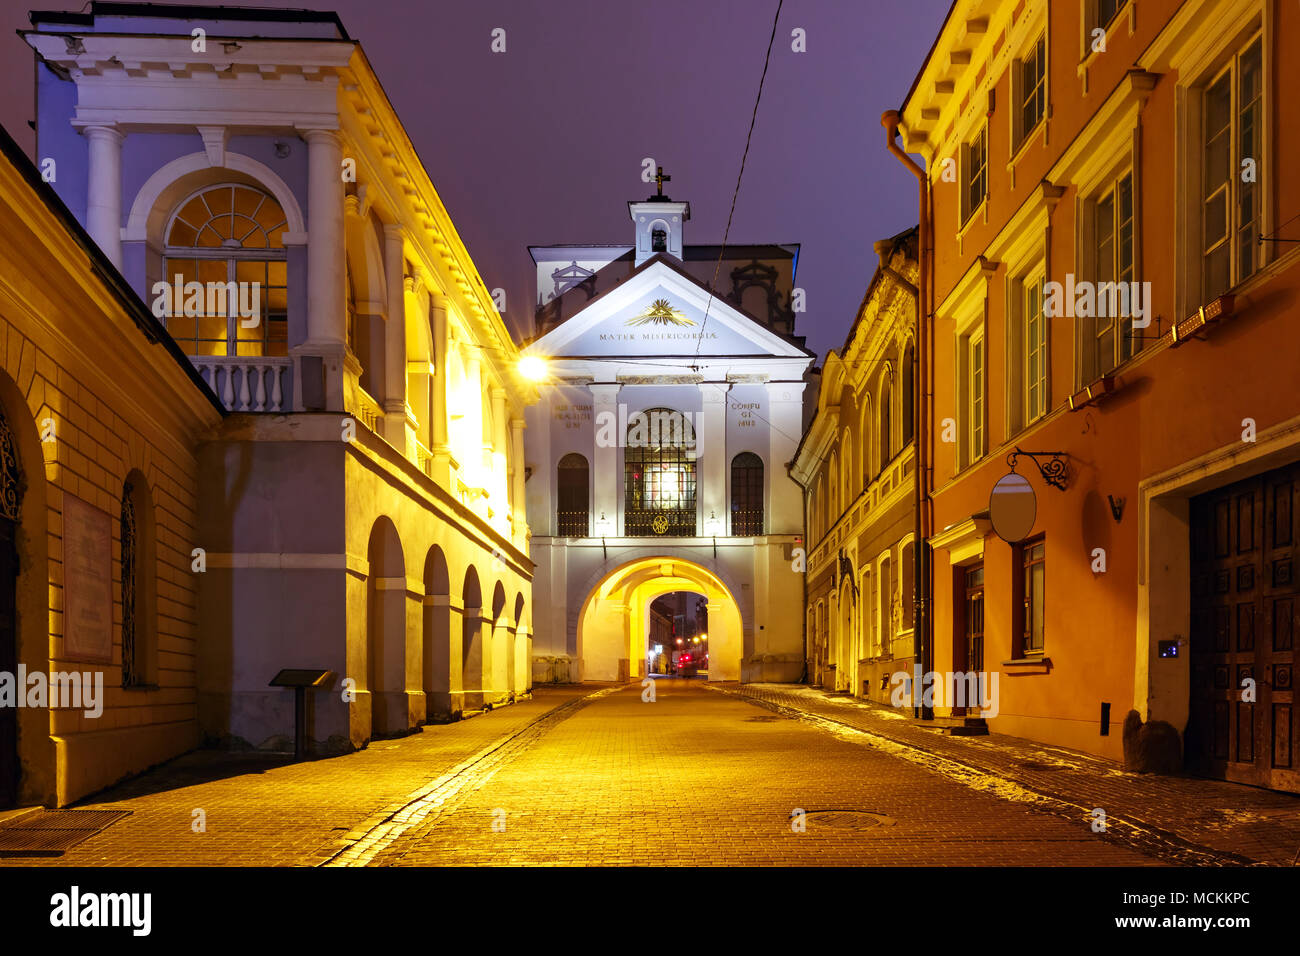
[856, 463]
[99, 416]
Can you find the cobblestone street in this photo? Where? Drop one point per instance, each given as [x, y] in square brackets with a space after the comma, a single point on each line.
[594, 775]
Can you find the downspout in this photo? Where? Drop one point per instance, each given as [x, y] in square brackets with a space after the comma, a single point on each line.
[921, 432]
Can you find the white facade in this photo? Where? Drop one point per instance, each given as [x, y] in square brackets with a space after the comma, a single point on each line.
[644, 343]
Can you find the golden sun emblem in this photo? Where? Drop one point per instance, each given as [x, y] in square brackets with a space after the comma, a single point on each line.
[659, 524]
[660, 312]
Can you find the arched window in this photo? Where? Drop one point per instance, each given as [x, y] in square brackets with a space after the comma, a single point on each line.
[229, 238]
[907, 565]
[659, 474]
[746, 494]
[909, 398]
[138, 576]
[833, 483]
[886, 445]
[847, 480]
[573, 499]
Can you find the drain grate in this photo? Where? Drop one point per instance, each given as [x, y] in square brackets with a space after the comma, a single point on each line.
[50, 832]
[848, 819]
[763, 719]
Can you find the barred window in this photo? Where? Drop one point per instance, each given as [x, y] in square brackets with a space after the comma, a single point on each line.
[659, 474]
[573, 510]
[746, 494]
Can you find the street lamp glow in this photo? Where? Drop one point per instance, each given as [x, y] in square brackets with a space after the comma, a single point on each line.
[533, 368]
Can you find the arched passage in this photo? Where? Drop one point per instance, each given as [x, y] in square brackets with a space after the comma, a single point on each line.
[503, 663]
[615, 617]
[386, 631]
[475, 656]
[441, 666]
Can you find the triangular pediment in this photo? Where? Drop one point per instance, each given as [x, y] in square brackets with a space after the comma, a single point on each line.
[660, 310]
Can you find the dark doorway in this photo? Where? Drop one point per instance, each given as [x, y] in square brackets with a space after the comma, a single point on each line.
[9, 764]
[974, 620]
[1243, 623]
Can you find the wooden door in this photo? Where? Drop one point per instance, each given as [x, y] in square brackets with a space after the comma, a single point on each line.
[973, 616]
[1244, 614]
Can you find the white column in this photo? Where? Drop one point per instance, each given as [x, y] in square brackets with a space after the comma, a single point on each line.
[396, 425]
[785, 417]
[326, 256]
[104, 191]
[518, 508]
[711, 452]
[438, 428]
[605, 474]
[500, 452]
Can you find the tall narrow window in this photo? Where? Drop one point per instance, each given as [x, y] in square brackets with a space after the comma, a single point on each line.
[1033, 595]
[573, 508]
[746, 495]
[1111, 337]
[974, 173]
[659, 474]
[907, 565]
[886, 443]
[1232, 114]
[1031, 90]
[136, 534]
[909, 398]
[1035, 347]
[229, 238]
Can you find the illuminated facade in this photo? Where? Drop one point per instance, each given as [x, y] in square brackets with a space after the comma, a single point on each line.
[658, 450]
[1072, 146]
[361, 502]
[857, 464]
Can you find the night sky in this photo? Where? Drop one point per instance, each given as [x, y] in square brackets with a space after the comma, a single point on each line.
[543, 144]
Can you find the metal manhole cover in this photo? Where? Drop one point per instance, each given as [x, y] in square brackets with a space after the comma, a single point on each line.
[763, 719]
[1039, 765]
[50, 832]
[848, 819]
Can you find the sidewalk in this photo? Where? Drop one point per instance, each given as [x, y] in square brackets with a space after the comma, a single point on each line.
[265, 810]
[1183, 819]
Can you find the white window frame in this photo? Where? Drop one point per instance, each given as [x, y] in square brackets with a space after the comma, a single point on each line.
[1091, 366]
[1201, 67]
[1020, 132]
[967, 207]
[1019, 287]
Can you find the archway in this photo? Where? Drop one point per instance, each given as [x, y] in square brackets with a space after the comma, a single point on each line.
[27, 756]
[502, 644]
[614, 619]
[476, 656]
[441, 666]
[386, 631]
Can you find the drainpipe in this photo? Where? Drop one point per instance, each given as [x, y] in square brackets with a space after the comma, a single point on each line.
[921, 431]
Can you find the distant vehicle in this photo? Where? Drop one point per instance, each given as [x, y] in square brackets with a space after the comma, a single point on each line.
[688, 665]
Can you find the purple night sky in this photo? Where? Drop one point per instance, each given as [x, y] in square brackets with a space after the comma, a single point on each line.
[543, 144]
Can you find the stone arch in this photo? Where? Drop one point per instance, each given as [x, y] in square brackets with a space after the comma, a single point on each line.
[385, 672]
[476, 652]
[614, 616]
[867, 450]
[503, 658]
[441, 665]
[161, 192]
[31, 772]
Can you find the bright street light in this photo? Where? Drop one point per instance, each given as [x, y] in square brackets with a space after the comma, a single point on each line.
[533, 368]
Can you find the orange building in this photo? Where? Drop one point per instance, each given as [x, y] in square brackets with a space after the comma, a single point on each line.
[1111, 279]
